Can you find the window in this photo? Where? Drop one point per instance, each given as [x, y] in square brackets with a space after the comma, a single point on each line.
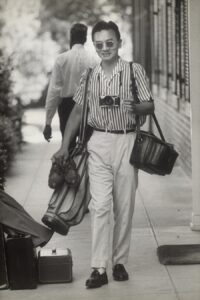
[171, 57]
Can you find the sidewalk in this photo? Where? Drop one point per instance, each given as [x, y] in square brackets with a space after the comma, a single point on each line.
[162, 216]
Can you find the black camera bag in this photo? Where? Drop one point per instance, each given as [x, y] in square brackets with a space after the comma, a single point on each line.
[150, 153]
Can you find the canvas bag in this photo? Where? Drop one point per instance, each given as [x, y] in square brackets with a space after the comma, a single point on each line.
[68, 205]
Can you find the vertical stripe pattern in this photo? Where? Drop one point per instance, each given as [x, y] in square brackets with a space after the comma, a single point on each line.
[119, 84]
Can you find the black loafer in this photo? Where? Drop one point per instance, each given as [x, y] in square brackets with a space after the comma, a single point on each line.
[96, 280]
[119, 273]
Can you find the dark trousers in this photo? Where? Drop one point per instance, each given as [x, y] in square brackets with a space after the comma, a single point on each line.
[64, 110]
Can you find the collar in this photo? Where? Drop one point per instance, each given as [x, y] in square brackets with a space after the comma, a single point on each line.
[119, 66]
[76, 46]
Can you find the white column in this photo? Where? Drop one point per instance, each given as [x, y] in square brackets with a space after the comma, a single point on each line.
[194, 51]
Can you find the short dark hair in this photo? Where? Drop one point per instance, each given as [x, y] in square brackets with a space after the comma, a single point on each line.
[78, 34]
[102, 25]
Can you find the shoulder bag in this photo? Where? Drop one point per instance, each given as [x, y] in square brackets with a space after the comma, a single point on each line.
[69, 203]
[151, 153]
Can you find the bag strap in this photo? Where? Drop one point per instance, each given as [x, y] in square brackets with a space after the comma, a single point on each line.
[136, 99]
[84, 113]
[134, 88]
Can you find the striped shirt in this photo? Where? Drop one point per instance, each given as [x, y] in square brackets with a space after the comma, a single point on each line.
[119, 84]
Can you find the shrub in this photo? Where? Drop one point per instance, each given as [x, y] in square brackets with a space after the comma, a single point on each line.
[8, 138]
[3, 166]
[10, 120]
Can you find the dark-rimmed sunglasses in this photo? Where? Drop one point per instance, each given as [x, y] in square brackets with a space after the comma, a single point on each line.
[109, 44]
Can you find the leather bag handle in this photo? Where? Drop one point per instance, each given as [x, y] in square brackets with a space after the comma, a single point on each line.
[136, 99]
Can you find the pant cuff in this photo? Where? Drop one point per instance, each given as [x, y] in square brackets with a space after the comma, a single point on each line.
[99, 264]
[119, 261]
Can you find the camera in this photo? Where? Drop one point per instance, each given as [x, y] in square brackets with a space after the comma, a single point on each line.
[109, 101]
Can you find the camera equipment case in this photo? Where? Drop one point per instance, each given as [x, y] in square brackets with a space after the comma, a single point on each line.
[54, 265]
[21, 263]
[3, 267]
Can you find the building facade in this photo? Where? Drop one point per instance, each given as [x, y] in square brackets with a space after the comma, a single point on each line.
[161, 45]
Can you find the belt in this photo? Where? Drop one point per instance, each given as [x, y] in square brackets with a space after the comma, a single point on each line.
[115, 131]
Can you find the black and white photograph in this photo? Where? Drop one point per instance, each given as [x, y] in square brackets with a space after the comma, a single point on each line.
[99, 150]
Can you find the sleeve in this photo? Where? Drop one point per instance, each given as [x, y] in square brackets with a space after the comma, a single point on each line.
[53, 93]
[144, 92]
[79, 93]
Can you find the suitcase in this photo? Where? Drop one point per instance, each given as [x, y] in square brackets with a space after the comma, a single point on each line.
[21, 263]
[3, 268]
[54, 265]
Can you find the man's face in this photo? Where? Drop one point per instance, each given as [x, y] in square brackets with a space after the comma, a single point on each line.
[106, 44]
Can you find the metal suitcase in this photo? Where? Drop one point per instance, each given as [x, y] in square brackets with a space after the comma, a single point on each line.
[3, 267]
[21, 263]
[54, 265]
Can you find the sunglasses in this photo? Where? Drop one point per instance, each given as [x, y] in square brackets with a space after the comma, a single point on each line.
[109, 44]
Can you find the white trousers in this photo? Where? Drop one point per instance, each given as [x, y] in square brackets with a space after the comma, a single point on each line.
[113, 180]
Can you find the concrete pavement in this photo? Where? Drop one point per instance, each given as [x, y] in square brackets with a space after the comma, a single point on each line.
[162, 216]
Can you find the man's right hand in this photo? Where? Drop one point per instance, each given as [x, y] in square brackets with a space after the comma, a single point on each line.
[47, 132]
[60, 156]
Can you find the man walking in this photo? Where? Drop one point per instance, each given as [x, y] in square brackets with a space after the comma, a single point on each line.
[113, 180]
[65, 77]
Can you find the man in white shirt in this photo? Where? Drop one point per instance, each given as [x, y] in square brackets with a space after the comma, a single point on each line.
[65, 78]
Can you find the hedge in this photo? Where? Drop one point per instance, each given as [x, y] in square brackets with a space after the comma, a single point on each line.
[10, 120]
